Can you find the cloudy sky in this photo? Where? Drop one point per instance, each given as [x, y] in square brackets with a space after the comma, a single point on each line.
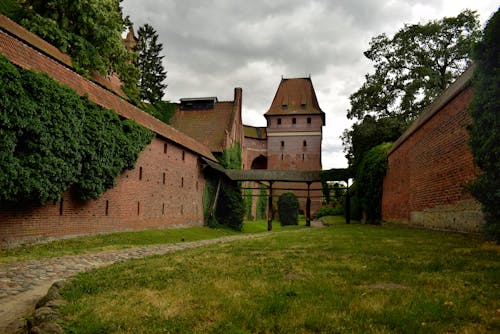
[211, 47]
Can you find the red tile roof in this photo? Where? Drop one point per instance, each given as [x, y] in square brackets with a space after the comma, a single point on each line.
[295, 96]
[15, 44]
[208, 126]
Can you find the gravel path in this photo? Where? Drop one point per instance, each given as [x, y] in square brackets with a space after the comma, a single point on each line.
[23, 283]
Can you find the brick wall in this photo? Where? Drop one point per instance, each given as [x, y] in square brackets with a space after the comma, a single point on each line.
[165, 188]
[429, 165]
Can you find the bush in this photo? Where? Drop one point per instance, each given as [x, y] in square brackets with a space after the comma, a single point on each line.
[328, 211]
[288, 209]
[230, 208]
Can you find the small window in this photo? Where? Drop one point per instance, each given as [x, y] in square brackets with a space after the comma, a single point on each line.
[303, 156]
[140, 173]
[282, 157]
[107, 207]
[279, 121]
[294, 120]
[197, 184]
[304, 143]
[138, 208]
[183, 155]
[282, 143]
[308, 120]
[163, 209]
[165, 147]
[163, 178]
[284, 106]
[182, 182]
[61, 207]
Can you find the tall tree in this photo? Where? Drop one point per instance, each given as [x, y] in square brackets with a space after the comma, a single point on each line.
[88, 30]
[485, 128]
[415, 66]
[150, 64]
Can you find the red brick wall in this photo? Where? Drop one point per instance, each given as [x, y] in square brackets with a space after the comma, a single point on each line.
[427, 171]
[136, 202]
[133, 204]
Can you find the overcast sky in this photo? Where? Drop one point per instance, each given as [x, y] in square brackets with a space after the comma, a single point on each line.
[211, 47]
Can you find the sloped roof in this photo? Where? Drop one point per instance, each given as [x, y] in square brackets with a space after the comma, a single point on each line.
[207, 126]
[295, 96]
[255, 132]
[26, 50]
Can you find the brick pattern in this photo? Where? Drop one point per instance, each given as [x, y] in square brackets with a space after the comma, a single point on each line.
[429, 168]
[163, 190]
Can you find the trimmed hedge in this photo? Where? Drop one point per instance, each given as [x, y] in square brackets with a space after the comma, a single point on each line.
[288, 209]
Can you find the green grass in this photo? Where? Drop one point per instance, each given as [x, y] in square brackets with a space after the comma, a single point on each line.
[123, 240]
[342, 279]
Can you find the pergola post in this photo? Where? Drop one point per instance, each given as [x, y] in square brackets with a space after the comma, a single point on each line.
[308, 205]
[347, 204]
[270, 207]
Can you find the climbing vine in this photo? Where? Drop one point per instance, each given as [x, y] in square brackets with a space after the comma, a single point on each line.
[51, 140]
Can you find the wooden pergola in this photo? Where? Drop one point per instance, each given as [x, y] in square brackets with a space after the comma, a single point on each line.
[272, 176]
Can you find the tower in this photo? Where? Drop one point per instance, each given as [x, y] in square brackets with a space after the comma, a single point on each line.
[294, 127]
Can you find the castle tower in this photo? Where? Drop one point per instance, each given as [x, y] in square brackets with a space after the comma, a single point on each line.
[294, 127]
[294, 134]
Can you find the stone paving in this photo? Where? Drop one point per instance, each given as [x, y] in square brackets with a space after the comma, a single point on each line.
[19, 277]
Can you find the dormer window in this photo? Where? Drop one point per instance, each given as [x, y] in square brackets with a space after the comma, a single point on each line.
[303, 106]
[284, 106]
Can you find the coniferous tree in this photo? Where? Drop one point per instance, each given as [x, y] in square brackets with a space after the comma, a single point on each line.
[150, 64]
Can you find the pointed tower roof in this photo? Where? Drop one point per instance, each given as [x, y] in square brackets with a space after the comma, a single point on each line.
[295, 96]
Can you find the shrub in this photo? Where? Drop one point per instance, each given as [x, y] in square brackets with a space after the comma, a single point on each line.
[288, 209]
[328, 211]
[230, 208]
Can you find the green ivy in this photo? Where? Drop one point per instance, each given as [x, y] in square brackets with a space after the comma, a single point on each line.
[248, 201]
[484, 130]
[369, 181]
[262, 203]
[52, 139]
[231, 157]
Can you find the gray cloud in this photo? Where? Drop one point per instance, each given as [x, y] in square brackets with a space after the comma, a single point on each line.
[213, 46]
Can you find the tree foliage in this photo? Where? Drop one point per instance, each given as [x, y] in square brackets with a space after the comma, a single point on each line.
[149, 61]
[288, 209]
[89, 31]
[414, 66]
[485, 128]
[51, 139]
[368, 133]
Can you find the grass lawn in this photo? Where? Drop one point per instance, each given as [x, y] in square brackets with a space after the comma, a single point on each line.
[122, 240]
[341, 279]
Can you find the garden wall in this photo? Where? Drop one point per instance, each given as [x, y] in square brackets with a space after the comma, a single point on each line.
[429, 164]
[165, 188]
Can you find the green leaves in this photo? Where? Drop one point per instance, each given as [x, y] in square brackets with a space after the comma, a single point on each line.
[485, 128]
[89, 31]
[52, 139]
[150, 64]
[414, 66]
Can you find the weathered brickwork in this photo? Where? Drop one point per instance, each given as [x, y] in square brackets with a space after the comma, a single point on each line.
[164, 189]
[428, 167]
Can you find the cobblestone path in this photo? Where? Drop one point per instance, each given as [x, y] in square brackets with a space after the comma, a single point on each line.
[23, 276]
